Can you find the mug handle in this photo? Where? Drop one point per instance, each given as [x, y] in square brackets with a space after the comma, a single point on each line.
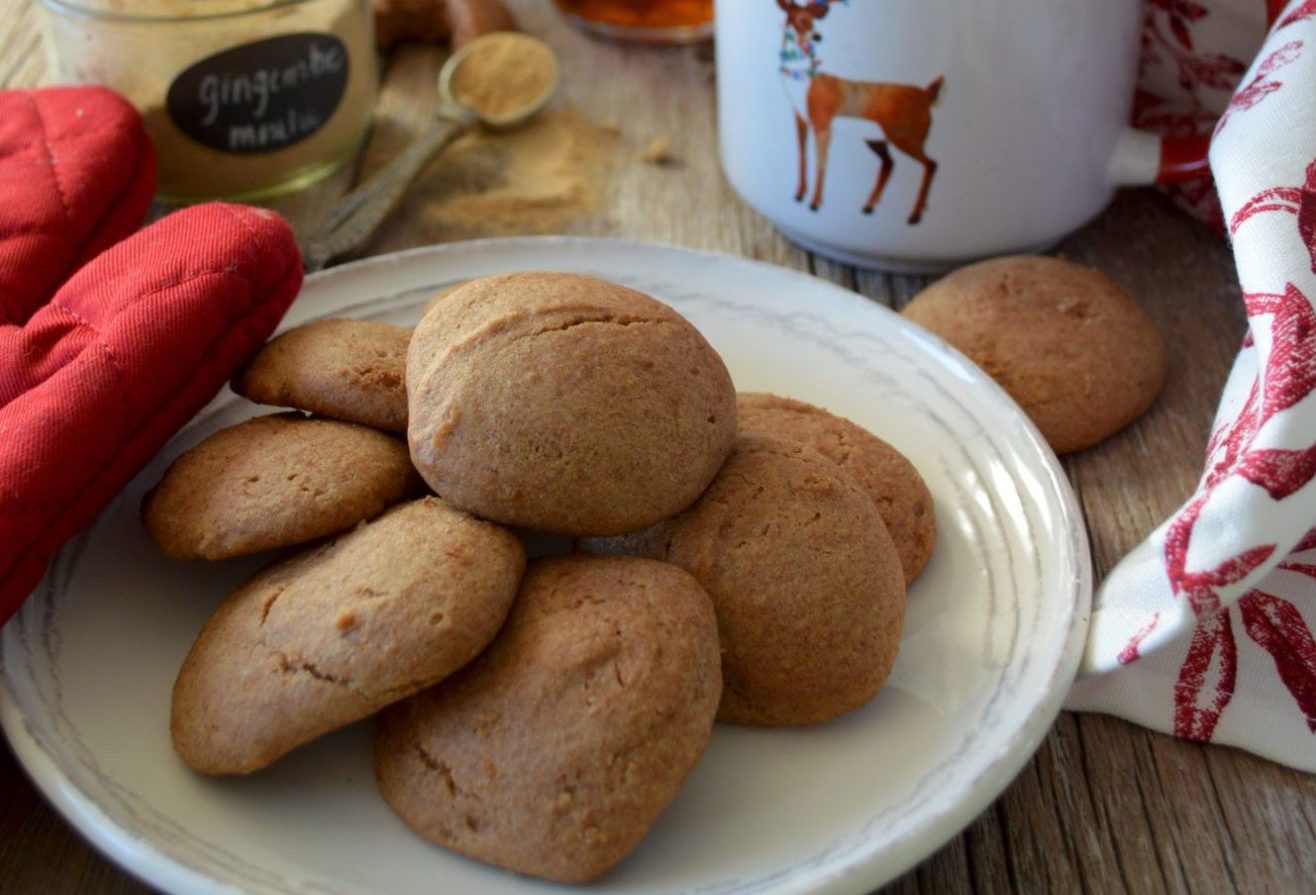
[1142, 157]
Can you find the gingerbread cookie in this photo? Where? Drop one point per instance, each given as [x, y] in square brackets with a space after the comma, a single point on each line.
[566, 404]
[1081, 357]
[885, 473]
[806, 582]
[441, 295]
[274, 481]
[555, 751]
[352, 370]
[332, 634]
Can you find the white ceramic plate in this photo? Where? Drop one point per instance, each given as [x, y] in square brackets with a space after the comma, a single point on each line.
[992, 637]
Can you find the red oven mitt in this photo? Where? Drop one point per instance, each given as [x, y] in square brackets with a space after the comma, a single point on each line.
[95, 379]
[77, 173]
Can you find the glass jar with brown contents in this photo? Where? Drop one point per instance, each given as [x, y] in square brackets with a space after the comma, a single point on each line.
[243, 98]
[658, 21]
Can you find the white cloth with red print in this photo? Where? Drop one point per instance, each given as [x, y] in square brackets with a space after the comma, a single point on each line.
[1205, 630]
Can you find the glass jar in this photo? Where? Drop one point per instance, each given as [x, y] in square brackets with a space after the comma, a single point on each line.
[651, 21]
[244, 99]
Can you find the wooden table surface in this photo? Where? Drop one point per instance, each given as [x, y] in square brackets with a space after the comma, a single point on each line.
[1104, 806]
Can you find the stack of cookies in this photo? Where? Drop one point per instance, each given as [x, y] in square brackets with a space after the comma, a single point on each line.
[741, 558]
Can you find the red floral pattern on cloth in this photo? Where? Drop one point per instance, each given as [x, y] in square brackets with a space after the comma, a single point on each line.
[1205, 630]
[1297, 200]
[1277, 625]
[1197, 702]
[1167, 33]
[1262, 84]
[1187, 72]
[1299, 12]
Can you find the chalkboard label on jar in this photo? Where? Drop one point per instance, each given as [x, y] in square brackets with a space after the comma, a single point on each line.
[261, 96]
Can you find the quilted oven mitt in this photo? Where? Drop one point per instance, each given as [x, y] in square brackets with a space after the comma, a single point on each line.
[109, 342]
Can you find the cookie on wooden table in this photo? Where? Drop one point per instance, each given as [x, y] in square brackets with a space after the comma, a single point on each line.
[274, 481]
[1082, 358]
[334, 633]
[805, 579]
[566, 404]
[886, 474]
[555, 751]
[352, 370]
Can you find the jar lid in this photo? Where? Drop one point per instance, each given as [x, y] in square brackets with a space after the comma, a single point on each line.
[166, 10]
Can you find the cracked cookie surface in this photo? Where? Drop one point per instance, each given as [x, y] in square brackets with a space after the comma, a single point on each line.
[565, 403]
[886, 474]
[555, 751]
[334, 633]
[804, 577]
[275, 481]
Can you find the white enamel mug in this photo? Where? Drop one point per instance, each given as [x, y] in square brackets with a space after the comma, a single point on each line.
[914, 135]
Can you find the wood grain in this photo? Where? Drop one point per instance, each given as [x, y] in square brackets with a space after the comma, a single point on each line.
[1104, 806]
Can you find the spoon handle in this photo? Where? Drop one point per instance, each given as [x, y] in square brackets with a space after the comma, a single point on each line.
[355, 217]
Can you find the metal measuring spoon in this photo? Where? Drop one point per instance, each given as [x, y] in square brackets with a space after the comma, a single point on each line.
[357, 214]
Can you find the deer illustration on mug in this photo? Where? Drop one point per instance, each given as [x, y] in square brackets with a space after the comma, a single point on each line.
[903, 112]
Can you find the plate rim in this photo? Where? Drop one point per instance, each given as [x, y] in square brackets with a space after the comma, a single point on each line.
[137, 856]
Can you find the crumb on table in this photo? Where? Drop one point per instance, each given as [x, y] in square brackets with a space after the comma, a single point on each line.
[657, 152]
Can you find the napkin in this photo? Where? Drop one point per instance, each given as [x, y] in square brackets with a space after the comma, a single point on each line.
[99, 367]
[1205, 630]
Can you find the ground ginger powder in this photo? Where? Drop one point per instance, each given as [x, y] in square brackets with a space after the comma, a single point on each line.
[504, 74]
[537, 178]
